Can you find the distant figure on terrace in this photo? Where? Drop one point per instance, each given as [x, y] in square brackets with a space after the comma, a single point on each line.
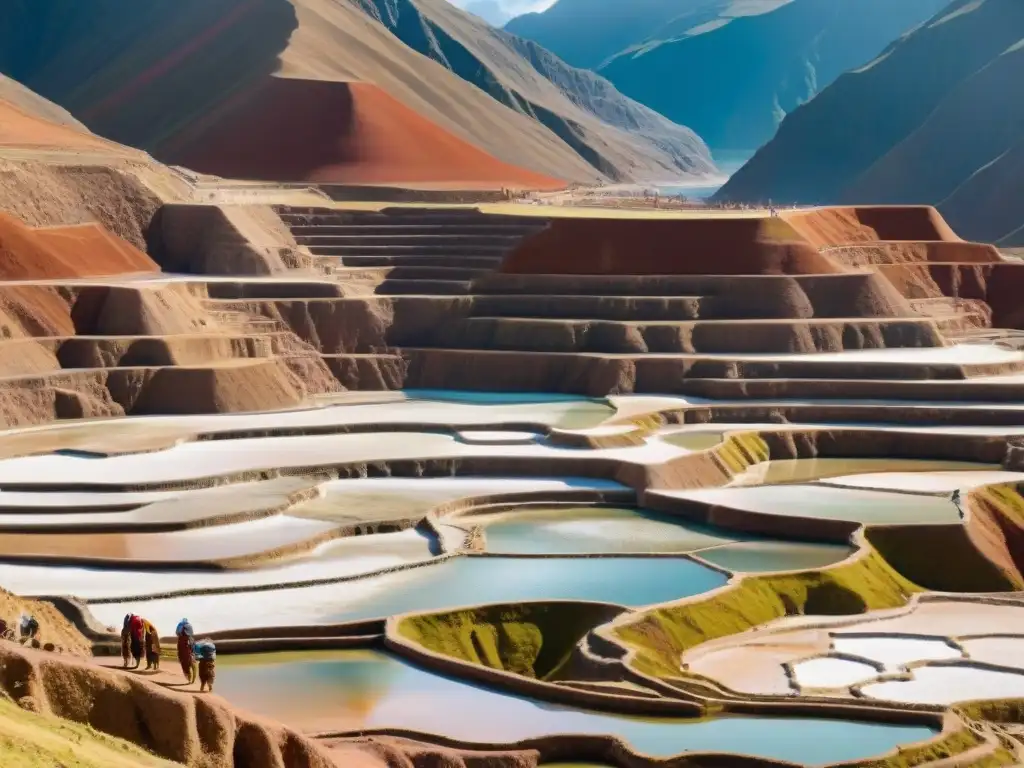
[126, 641]
[152, 640]
[186, 649]
[206, 653]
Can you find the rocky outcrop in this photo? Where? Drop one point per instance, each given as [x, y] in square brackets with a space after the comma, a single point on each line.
[223, 240]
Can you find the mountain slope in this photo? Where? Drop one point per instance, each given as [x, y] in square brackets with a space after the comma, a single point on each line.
[585, 33]
[734, 83]
[618, 136]
[145, 73]
[35, 105]
[935, 119]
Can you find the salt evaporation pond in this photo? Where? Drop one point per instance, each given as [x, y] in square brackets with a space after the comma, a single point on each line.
[926, 482]
[418, 407]
[830, 503]
[759, 556]
[949, 684]
[594, 530]
[786, 471]
[895, 652]
[456, 582]
[190, 461]
[354, 690]
[828, 672]
[587, 530]
[337, 559]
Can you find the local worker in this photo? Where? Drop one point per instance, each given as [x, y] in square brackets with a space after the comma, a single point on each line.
[186, 652]
[28, 627]
[206, 653]
[137, 633]
[126, 641]
[152, 639]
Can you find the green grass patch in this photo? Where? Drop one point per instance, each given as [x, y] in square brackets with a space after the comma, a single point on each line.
[948, 745]
[660, 635]
[1004, 711]
[29, 740]
[534, 639]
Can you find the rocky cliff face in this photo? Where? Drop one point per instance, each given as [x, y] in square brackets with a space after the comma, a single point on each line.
[142, 74]
[733, 82]
[931, 120]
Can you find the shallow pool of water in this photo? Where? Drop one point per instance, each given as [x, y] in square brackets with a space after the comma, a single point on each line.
[694, 441]
[457, 582]
[584, 530]
[760, 556]
[350, 690]
[832, 503]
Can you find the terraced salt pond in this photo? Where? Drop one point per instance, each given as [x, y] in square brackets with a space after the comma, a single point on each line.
[767, 555]
[356, 690]
[942, 684]
[253, 540]
[593, 530]
[789, 471]
[456, 582]
[821, 501]
[194, 460]
[340, 559]
[586, 530]
[832, 673]
[895, 652]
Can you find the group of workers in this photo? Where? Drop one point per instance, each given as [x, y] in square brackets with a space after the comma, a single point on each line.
[139, 636]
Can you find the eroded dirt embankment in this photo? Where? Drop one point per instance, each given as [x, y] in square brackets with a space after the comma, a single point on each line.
[203, 732]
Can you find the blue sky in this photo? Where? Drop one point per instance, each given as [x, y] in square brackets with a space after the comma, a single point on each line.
[496, 11]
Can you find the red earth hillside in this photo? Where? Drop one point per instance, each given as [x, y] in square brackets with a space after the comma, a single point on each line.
[287, 129]
[84, 250]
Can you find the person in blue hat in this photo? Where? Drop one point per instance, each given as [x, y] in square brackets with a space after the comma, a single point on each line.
[186, 649]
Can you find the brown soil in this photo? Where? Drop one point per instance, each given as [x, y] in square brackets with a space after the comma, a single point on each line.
[839, 226]
[32, 310]
[353, 133]
[710, 246]
[79, 251]
[201, 732]
[223, 240]
[997, 286]
[121, 196]
[996, 528]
